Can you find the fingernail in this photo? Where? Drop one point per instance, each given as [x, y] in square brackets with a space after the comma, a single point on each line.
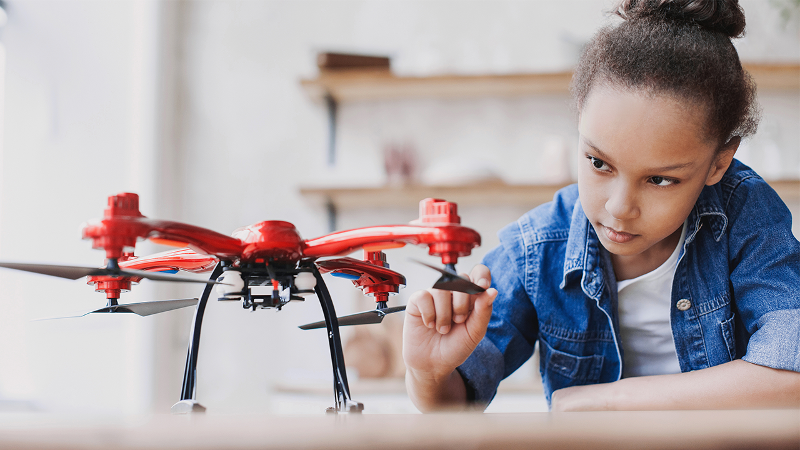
[444, 329]
[459, 318]
[492, 296]
[430, 324]
[483, 282]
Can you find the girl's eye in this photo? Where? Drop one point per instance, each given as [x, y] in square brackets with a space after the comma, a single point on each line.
[663, 182]
[598, 164]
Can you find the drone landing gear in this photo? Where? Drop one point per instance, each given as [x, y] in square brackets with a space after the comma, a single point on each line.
[187, 407]
[341, 389]
[188, 404]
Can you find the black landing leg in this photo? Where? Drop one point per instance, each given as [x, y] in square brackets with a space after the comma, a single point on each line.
[188, 403]
[341, 389]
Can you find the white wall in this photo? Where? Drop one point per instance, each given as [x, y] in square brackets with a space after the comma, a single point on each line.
[79, 126]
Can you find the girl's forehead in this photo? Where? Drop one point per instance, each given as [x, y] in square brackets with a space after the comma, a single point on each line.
[632, 122]
[656, 101]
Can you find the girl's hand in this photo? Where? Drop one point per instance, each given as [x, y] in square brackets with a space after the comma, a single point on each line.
[442, 328]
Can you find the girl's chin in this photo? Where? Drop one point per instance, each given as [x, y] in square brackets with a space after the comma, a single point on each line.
[629, 248]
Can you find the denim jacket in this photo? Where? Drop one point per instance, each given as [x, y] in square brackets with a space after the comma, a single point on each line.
[737, 280]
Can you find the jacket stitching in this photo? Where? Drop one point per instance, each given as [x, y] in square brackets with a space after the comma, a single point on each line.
[576, 336]
[735, 187]
[712, 305]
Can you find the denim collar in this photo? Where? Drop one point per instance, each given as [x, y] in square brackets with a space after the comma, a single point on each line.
[584, 251]
[708, 206]
[583, 254]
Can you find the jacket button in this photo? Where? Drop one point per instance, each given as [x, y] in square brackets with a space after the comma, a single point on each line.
[683, 304]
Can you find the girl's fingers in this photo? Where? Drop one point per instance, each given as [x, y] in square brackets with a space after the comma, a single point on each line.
[440, 309]
[421, 304]
[462, 304]
[481, 304]
[481, 272]
[443, 300]
[478, 320]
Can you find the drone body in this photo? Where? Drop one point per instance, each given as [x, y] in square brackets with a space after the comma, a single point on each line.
[269, 253]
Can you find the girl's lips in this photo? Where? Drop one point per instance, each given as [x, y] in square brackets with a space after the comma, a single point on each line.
[619, 237]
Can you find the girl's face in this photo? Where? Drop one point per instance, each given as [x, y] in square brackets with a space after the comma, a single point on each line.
[644, 160]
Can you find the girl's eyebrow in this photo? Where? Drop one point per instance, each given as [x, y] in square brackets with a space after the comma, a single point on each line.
[599, 152]
[608, 159]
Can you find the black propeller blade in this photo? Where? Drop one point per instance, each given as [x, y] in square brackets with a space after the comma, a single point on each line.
[75, 272]
[142, 309]
[451, 281]
[362, 318]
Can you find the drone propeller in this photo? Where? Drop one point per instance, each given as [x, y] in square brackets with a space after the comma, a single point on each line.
[451, 281]
[362, 318]
[142, 309]
[75, 272]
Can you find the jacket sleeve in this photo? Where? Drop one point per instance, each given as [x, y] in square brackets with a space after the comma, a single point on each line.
[764, 258]
[513, 329]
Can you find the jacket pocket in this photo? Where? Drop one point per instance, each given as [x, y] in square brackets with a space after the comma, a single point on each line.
[579, 369]
[728, 336]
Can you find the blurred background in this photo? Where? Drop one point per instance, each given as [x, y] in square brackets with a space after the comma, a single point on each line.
[226, 113]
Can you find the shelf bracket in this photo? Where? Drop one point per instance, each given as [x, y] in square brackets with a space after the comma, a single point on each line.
[332, 107]
[330, 209]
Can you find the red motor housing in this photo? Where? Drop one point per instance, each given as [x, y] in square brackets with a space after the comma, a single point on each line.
[437, 211]
[113, 235]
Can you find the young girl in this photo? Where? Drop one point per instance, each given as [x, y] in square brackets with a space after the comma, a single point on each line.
[668, 278]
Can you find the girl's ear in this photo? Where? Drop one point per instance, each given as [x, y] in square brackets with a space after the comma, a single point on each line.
[722, 161]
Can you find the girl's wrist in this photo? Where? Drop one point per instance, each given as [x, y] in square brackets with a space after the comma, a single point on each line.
[436, 393]
[430, 378]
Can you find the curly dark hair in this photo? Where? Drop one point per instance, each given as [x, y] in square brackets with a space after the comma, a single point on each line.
[680, 48]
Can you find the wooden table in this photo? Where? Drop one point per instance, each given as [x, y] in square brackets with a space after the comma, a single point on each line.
[597, 430]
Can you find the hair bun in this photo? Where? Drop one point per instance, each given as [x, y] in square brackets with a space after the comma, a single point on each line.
[722, 16]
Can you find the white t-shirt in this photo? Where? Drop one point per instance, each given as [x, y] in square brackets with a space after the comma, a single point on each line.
[644, 319]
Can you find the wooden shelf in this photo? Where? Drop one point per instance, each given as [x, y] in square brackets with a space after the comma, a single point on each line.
[489, 193]
[482, 194]
[789, 190]
[370, 84]
[381, 84]
[775, 76]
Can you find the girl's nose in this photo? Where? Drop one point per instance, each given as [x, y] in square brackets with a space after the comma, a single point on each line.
[622, 204]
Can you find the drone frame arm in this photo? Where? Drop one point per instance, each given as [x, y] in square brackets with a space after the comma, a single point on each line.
[448, 241]
[184, 259]
[372, 279]
[117, 233]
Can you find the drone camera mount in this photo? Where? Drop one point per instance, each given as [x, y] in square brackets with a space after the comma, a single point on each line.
[280, 276]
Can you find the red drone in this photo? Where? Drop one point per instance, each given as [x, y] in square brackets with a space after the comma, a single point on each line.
[269, 253]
